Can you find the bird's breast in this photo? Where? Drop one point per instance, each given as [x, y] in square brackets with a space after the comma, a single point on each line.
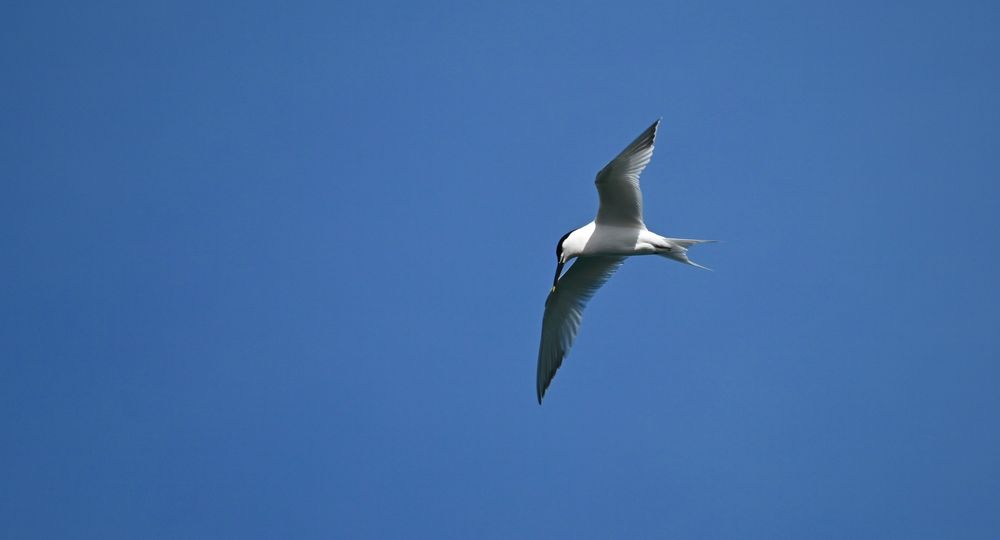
[607, 240]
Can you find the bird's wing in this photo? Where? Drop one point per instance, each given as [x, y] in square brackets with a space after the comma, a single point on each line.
[618, 182]
[564, 311]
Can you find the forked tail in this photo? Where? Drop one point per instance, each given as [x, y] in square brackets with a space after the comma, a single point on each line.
[679, 252]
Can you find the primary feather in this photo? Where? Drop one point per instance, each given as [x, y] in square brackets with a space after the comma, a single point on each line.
[618, 182]
[564, 312]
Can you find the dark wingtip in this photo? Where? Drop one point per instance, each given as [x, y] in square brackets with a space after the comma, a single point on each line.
[655, 128]
[647, 138]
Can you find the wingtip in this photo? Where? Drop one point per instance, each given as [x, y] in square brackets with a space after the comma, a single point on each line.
[692, 263]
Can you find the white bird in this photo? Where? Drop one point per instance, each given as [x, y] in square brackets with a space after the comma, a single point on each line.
[600, 247]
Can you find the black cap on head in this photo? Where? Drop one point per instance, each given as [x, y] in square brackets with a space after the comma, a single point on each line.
[559, 247]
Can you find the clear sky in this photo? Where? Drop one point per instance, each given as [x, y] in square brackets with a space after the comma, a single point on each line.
[278, 270]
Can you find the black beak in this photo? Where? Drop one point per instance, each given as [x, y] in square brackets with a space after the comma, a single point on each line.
[556, 279]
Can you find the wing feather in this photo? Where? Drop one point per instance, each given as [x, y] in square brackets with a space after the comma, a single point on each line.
[564, 312]
[618, 182]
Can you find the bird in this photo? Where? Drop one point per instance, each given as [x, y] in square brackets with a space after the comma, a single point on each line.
[600, 247]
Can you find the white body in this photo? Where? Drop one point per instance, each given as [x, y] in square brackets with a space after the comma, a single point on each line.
[595, 239]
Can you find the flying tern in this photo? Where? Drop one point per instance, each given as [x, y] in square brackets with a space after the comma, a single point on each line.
[600, 247]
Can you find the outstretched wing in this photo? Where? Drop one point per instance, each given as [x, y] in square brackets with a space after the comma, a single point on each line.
[618, 182]
[564, 312]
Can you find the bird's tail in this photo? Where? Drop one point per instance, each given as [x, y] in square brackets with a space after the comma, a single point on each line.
[679, 253]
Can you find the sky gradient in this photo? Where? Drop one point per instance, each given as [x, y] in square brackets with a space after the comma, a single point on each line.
[278, 270]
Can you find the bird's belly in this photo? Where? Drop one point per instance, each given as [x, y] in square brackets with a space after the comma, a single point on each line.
[618, 241]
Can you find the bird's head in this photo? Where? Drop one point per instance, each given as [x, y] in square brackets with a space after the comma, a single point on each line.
[562, 256]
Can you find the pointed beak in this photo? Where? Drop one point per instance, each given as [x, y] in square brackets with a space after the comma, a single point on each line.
[559, 268]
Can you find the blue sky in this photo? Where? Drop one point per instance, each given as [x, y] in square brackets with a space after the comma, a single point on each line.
[278, 270]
